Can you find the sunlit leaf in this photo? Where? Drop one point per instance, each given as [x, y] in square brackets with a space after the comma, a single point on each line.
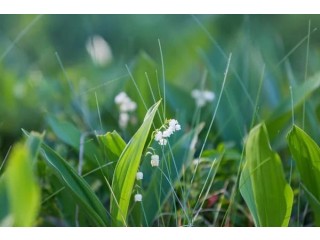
[113, 144]
[262, 182]
[19, 190]
[306, 153]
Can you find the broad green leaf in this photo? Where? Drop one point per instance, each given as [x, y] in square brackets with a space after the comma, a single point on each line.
[19, 190]
[159, 188]
[113, 145]
[71, 135]
[77, 186]
[66, 131]
[262, 182]
[306, 153]
[126, 169]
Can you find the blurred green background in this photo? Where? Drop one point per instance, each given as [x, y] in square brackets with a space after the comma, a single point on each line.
[42, 56]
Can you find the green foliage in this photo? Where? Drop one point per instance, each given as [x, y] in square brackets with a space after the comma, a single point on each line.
[282, 114]
[262, 183]
[19, 190]
[161, 183]
[56, 87]
[77, 186]
[71, 135]
[113, 144]
[306, 153]
[126, 169]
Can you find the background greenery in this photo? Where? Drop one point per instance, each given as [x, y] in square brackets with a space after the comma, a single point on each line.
[41, 56]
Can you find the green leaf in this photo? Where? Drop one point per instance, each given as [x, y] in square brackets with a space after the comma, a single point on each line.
[113, 145]
[306, 153]
[77, 186]
[71, 135]
[34, 144]
[66, 131]
[262, 182]
[126, 169]
[19, 190]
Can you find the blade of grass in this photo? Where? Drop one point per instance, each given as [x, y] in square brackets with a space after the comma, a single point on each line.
[19, 37]
[306, 74]
[213, 116]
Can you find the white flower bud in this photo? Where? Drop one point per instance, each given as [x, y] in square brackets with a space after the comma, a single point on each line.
[139, 176]
[99, 50]
[155, 157]
[209, 96]
[131, 106]
[138, 197]
[120, 97]
[178, 127]
[158, 136]
[123, 120]
[154, 160]
[167, 132]
[200, 102]
[172, 123]
[163, 141]
[196, 93]
[202, 97]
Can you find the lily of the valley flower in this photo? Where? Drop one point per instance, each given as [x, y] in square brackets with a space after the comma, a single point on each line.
[158, 136]
[99, 50]
[170, 127]
[126, 106]
[163, 142]
[202, 97]
[139, 175]
[138, 197]
[155, 160]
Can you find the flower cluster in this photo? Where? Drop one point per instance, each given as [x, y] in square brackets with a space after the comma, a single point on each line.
[202, 97]
[162, 136]
[126, 106]
[168, 128]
